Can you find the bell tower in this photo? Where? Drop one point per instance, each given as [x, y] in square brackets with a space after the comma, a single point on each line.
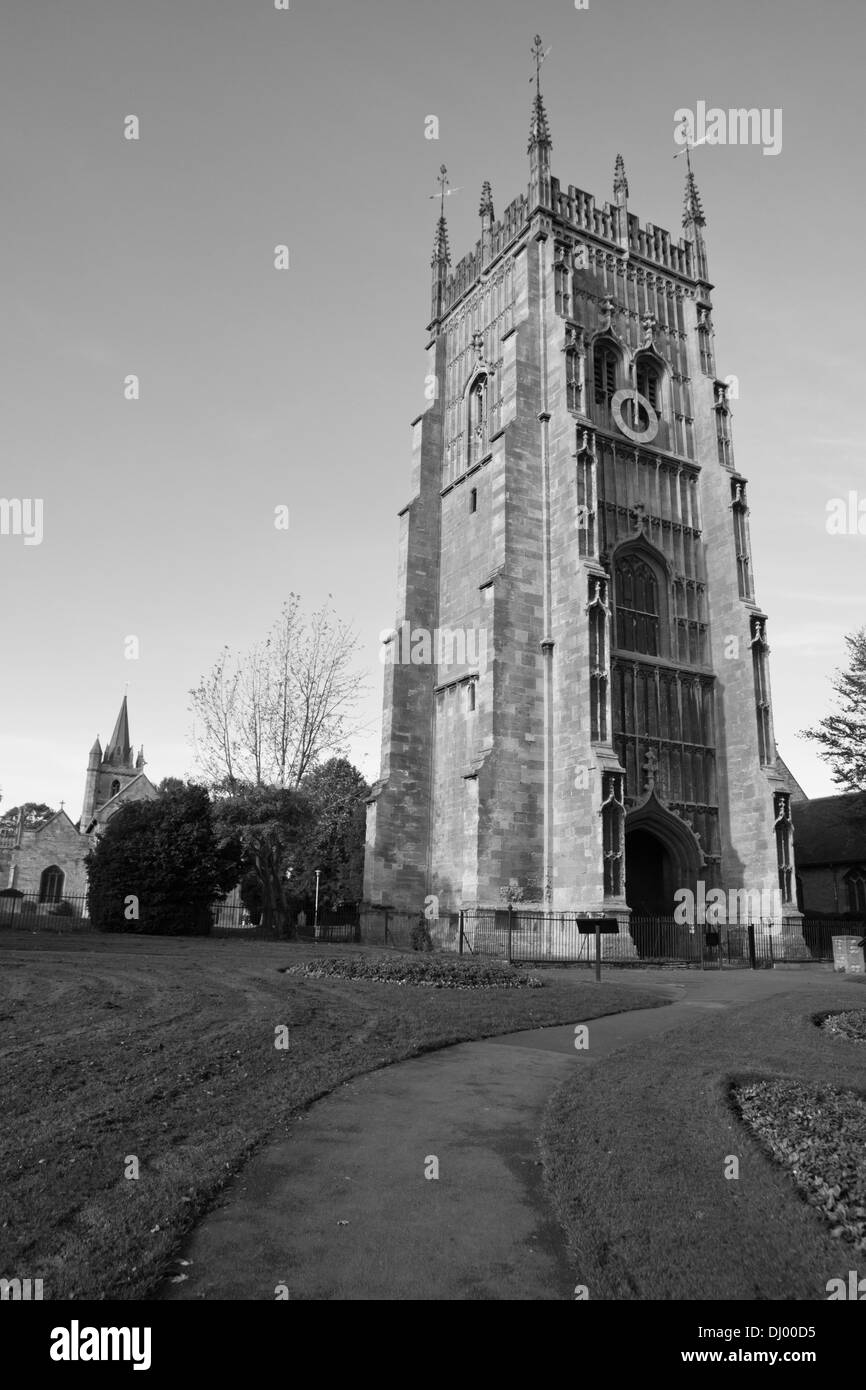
[576, 703]
[109, 771]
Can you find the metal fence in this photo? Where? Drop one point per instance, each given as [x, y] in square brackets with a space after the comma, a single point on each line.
[536, 936]
[26, 912]
[517, 934]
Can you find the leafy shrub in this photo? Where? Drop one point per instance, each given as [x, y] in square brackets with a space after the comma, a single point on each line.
[62, 909]
[420, 938]
[850, 1025]
[436, 972]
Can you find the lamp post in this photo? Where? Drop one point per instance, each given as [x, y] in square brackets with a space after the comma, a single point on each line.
[316, 912]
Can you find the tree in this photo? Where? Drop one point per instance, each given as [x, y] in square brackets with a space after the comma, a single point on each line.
[842, 736]
[334, 843]
[261, 829]
[35, 813]
[266, 716]
[159, 868]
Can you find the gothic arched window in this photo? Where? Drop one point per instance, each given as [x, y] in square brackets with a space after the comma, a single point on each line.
[477, 420]
[51, 884]
[855, 882]
[605, 362]
[638, 606]
[649, 382]
[115, 787]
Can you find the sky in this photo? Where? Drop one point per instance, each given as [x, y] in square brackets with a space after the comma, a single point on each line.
[262, 388]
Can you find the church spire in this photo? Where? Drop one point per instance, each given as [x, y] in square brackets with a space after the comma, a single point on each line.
[540, 143]
[119, 749]
[441, 252]
[694, 220]
[620, 182]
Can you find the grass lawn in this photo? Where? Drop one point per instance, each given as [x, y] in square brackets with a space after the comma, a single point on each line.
[163, 1049]
[635, 1150]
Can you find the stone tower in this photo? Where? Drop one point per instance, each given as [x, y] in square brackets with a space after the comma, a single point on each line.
[576, 703]
[109, 772]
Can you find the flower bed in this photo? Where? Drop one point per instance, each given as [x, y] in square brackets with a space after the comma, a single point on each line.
[819, 1134]
[437, 972]
[851, 1025]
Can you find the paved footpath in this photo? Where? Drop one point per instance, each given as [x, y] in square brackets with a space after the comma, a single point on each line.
[341, 1208]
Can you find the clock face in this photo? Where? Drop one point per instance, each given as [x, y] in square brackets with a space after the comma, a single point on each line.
[630, 409]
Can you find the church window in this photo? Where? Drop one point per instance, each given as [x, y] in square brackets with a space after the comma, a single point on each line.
[604, 367]
[115, 787]
[649, 383]
[855, 883]
[473, 500]
[477, 420]
[637, 607]
[760, 650]
[612, 820]
[51, 884]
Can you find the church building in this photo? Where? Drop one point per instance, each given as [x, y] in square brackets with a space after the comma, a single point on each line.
[577, 705]
[47, 859]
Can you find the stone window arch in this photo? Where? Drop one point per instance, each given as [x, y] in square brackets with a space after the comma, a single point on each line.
[649, 379]
[477, 419]
[51, 884]
[115, 787]
[855, 885]
[606, 371]
[640, 600]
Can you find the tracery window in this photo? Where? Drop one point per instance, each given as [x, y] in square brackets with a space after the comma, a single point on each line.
[638, 627]
[855, 883]
[51, 884]
[649, 382]
[477, 420]
[605, 361]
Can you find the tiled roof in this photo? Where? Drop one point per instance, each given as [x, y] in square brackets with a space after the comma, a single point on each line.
[830, 830]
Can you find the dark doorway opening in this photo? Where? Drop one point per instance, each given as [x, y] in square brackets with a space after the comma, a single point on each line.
[649, 875]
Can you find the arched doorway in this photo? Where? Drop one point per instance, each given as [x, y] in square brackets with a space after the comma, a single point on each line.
[649, 875]
[51, 884]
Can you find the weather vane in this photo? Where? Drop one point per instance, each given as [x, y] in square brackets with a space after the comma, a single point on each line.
[539, 53]
[445, 189]
[688, 144]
